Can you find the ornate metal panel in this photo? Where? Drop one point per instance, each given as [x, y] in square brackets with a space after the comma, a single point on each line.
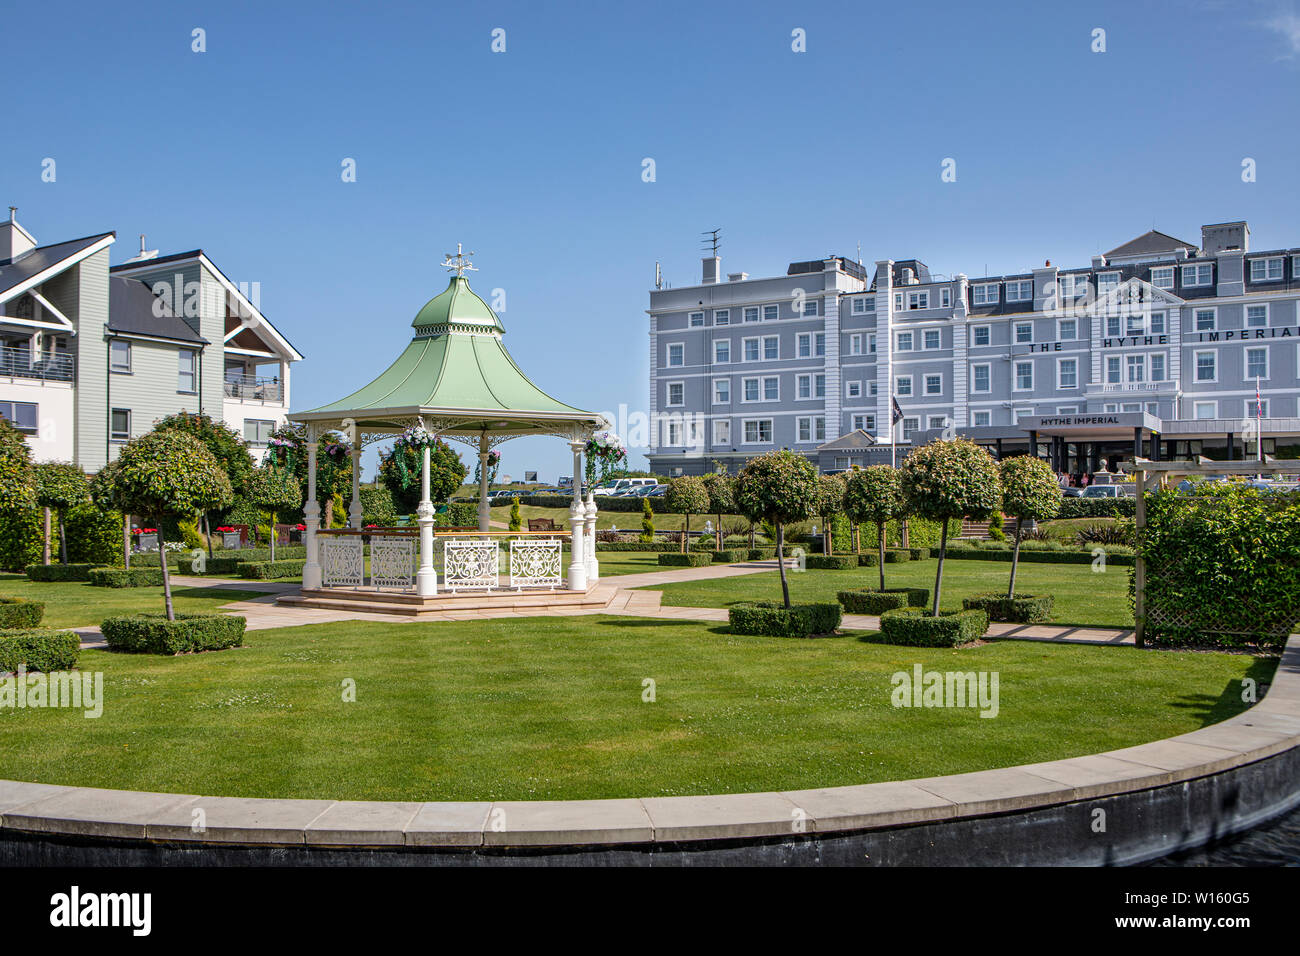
[342, 561]
[470, 563]
[392, 561]
[536, 563]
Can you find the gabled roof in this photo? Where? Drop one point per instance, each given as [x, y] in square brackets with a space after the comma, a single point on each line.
[1151, 243]
[853, 441]
[33, 263]
[133, 309]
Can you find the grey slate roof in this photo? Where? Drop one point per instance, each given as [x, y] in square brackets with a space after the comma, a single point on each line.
[131, 311]
[853, 441]
[1151, 242]
[16, 271]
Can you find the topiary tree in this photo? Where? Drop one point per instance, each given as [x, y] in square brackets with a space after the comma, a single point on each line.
[647, 521]
[58, 486]
[516, 519]
[271, 489]
[15, 468]
[226, 445]
[1029, 490]
[950, 479]
[875, 495]
[687, 496]
[779, 487]
[168, 474]
[721, 489]
[829, 503]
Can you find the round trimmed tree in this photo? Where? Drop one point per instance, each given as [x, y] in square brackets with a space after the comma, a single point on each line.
[779, 487]
[226, 445]
[948, 480]
[687, 496]
[1030, 490]
[168, 474]
[59, 485]
[721, 488]
[15, 468]
[875, 495]
[829, 503]
[270, 489]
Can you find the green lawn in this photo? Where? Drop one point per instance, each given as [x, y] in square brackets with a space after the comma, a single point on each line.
[75, 604]
[551, 708]
[1081, 596]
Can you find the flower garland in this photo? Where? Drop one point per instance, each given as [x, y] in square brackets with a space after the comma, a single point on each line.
[604, 452]
[494, 461]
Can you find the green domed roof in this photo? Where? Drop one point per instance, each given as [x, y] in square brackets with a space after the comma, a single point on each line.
[457, 305]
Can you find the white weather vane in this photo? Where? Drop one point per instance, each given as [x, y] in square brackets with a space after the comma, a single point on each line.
[459, 263]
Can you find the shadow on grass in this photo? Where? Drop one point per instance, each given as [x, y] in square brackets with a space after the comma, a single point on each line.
[1212, 710]
[650, 622]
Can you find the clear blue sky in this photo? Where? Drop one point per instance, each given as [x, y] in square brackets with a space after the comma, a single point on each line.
[532, 157]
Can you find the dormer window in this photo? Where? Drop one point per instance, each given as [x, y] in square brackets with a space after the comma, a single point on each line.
[1266, 270]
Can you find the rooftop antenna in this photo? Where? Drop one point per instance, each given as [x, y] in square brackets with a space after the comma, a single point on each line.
[859, 252]
[659, 276]
[712, 242]
[458, 263]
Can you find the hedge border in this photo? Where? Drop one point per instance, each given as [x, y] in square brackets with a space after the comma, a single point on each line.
[271, 570]
[125, 577]
[189, 633]
[689, 559]
[20, 614]
[39, 649]
[1020, 609]
[915, 627]
[876, 601]
[773, 619]
[830, 562]
[50, 573]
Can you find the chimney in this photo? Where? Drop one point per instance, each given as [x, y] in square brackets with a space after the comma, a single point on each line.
[1225, 237]
[14, 239]
[737, 276]
[712, 269]
[145, 253]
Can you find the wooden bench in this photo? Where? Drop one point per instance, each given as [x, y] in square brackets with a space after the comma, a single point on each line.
[541, 524]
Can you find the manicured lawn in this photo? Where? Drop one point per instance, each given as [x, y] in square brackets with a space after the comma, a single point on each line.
[1081, 597]
[614, 563]
[75, 604]
[550, 708]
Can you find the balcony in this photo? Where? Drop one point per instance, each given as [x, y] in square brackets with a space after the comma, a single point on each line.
[248, 388]
[51, 366]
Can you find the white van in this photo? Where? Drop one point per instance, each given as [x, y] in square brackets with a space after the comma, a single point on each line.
[624, 486]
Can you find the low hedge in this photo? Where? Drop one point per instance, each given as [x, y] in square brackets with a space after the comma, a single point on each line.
[875, 601]
[271, 570]
[773, 619]
[691, 559]
[729, 557]
[1125, 507]
[914, 627]
[125, 578]
[1021, 609]
[830, 562]
[154, 634]
[763, 554]
[20, 613]
[1118, 558]
[60, 572]
[638, 546]
[870, 559]
[919, 554]
[39, 649]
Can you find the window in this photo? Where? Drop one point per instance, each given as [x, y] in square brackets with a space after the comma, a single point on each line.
[1024, 376]
[934, 385]
[1021, 291]
[852, 389]
[982, 419]
[119, 424]
[119, 355]
[1112, 369]
[1203, 410]
[819, 429]
[803, 386]
[810, 429]
[933, 340]
[873, 389]
[1131, 407]
[910, 427]
[898, 302]
[721, 316]
[1067, 409]
[982, 335]
[903, 385]
[981, 378]
[750, 314]
[676, 393]
[1137, 368]
[771, 313]
[676, 355]
[819, 386]
[1206, 367]
[758, 431]
[1020, 413]
[1157, 323]
[858, 306]
[1256, 363]
[1252, 411]
[855, 344]
[1073, 286]
[1114, 328]
[945, 297]
[1162, 277]
[257, 431]
[1198, 275]
[186, 371]
[749, 390]
[1107, 282]
[1024, 331]
[697, 319]
[904, 341]
[819, 343]
[22, 415]
[771, 347]
[1135, 324]
[937, 421]
[809, 306]
[803, 344]
[1067, 373]
[1067, 330]
[864, 423]
[1266, 270]
[675, 432]
[918, 300]
[771, 388]
[722, 432]
[986, 294]
[871, 343]
[1157, 366]
[1205, 320]
[1256, 316]
[750, 349]
[721, 391]
[721, 351]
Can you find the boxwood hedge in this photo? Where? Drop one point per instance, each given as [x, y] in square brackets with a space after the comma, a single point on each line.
[39, 649]
[125, 578]
[773, 619]
[875, 601]
[691, 559]
[154, 634]
[1119, 558]
[270, 570]
[729, 557]
[914, 627]
[830, 562]
[60, 572]
[20, 613]
[1021, 609]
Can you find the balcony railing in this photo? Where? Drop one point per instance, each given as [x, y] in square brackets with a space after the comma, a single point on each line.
[247, 388]
[56, 366]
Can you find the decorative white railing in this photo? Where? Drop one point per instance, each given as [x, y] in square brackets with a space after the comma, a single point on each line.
[392, 562]
[536, 563]
[470, 563]
[342, 561]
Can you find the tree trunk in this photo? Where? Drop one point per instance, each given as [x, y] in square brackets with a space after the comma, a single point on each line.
[907, 534]
[751, 534]
[272, 535]
[329, 513]
[880, 552]
[720, 539]
[1015, 560]
[167, 581]
[938, 575]
[780, 563]
[45, 549]
[686, 529]
[828, 537]
[63, 539]
[207, 532]
[856, 534]
[126, 541]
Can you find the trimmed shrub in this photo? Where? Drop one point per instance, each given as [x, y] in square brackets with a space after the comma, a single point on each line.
[1021, 609]
[126, 578]
[20, 613]
[650, 546]
[691, 559]
[270, 570]
[377, 507]
[21, 531]
[94, 535]
[459, 514]
[1114, 555]
[830, 562]
[59, 572]
[39, 649]
[728, 557]
[874, 601]
[216, 566]
[897, 555]
[1125, 507]
[919, 554]
[914, 627]
[154, 634]
[763, 554]
[772, 619]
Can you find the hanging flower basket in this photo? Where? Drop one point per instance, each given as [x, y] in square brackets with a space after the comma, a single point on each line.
[417, 436]
[604, 452]
[335, 451]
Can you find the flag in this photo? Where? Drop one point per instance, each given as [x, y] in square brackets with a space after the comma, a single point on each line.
[898, 412]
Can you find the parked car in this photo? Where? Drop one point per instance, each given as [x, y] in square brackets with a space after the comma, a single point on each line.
[1103, 491]
[1071, 492]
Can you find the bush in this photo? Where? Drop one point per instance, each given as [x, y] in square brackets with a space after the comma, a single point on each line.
[830, 562]
[1021, 609]
[459, 514]
[772, 619]
[217, 566]
[227, 561]
[60, 572]
[377, 507]
[20, 613]
[39, 649]
[1116, 555]
[919, 554]
[1120, 532]
[20, 538]
[1125, 507]
[762, 554]
[875, 601]
[154, 634]
[691, 559]
[94, 535]
[914, 627]
[126, 578]
[270, 570]
[729, 557]
[1039, 544]
[650, 546]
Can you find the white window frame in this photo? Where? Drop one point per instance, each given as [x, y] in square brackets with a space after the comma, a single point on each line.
[744, 390]
[193, 372]
[1265, 261]
[1020, 285]
[981, 294]
[925, 339]
[1245, 315]
[871, 343]
[119, 369]
[819, 386]
[853, 389]
[1196, 366]
[746, 311]
[721, 316]
[810, 302]
[1135, 360]
[945, 298]
[898, 342]
[1015, 377]
[1114, 366]
[898, 302]
[1196, 269]
[974, 334]
[724, 425]
[668, 354]
[855, 343]
[911, 425]
[975, 389]
[691, 318]
[726, 384]
[1161, 326]
[1198, 405]
[819, 344]
[984, 414]
[898, 383]
[1245, 362]
[918, 301]
[119, 437]
[1164, 366]
[802, 425]
[766, 340]
[1214, 319]
[1110, 280]
[668, 394]
[758, 423]
[1060, 330]
[1158, 274]
[926, 381]
[1060, 365]
[726, 343]
[858, 305]
[768, 379]
[758, 348]
[1015, 333]
[803, 345]
[774, 309]
[800, 382]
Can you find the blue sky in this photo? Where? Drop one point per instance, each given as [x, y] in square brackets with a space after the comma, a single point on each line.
[533, 157]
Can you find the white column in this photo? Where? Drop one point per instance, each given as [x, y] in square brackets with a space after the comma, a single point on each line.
[426, 579]
[311, 573]
[577, 518]
[484, 512]
[593, 566]
[354, 509]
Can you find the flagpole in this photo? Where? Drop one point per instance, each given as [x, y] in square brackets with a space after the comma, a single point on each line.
[1259, 424]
